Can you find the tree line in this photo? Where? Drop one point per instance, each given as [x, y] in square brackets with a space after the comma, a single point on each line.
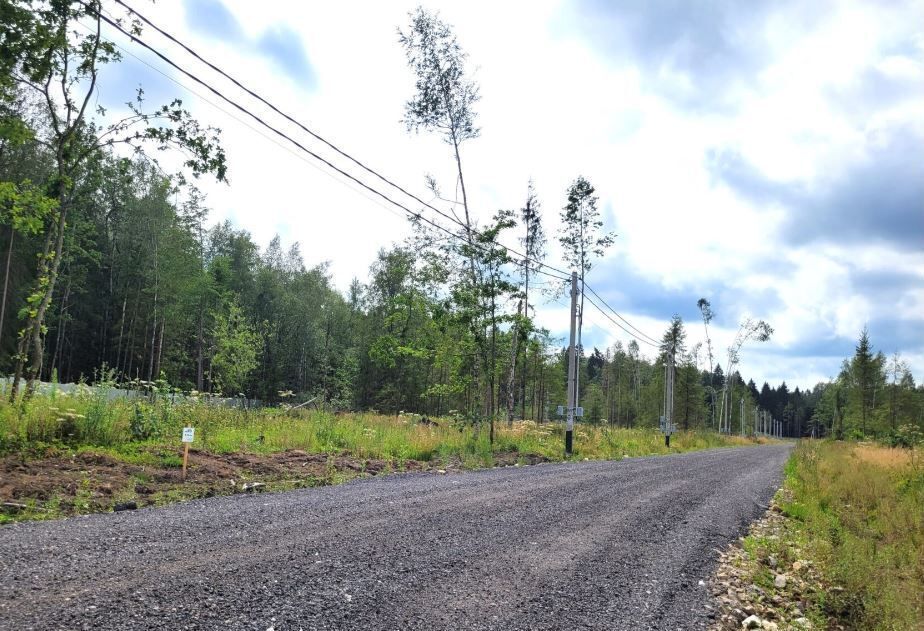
[112, 270]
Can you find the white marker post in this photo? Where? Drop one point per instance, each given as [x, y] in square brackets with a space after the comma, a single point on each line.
[188, 435]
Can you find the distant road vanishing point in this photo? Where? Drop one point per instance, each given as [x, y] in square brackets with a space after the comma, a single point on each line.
[592, 545]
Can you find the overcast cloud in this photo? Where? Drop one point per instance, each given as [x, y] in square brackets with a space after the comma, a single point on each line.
[764, 155]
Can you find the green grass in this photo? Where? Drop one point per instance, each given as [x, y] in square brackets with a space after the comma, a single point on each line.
[133, 430]
[857, 512]
[143, 438]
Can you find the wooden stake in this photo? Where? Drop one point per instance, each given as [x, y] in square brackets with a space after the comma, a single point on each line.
[185, 458]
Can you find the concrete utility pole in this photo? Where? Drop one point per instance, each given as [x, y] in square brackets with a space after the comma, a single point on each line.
[742, 416]
[572, 369]
[668, 417]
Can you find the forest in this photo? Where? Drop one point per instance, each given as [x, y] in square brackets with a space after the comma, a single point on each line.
[113, 271]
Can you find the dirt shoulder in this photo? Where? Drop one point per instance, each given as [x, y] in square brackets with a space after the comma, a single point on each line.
[60, 484]
[764, 581]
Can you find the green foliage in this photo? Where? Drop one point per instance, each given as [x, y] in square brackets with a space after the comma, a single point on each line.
[861, 510]
[444, 96]
[144, 423]
[24, 206]
[582, 238]
[236, 345]
[129, 429]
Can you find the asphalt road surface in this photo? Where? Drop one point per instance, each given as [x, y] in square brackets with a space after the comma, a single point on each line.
[592, 545]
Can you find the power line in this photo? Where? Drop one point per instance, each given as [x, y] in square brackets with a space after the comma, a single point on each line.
[632, 326]
[318, 137]
[299, 145]
[419, 216]
[255, 130]
[610, 318]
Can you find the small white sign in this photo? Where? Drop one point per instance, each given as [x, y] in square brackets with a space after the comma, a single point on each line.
[579, 411]
[561, 410]
[188, 434]
[667, 428]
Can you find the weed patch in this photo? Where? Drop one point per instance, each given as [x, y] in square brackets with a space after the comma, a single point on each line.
[854, 514]
[94, 452]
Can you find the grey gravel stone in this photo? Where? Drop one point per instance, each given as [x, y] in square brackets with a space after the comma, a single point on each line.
[598, 545]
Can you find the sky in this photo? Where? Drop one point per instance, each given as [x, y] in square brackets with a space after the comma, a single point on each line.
[765, 155]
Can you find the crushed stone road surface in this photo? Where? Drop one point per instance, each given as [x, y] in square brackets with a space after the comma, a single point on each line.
[591, 545]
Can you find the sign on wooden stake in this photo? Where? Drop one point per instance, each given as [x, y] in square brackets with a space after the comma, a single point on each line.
[188, 435]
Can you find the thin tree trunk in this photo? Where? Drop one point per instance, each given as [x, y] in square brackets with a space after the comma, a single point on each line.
[130, 346]
[59, 334]
[38, 352]
[160, 347]
[511, 376]
[119, 364]
[153, 337]
[22, 344]
[6, 280]
[200, 385]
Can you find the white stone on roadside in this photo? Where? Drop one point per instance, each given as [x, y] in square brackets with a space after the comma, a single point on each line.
[702, 583]
[751, 622]
[780, 581]
[766, 625]
[771, 561]
[441, 471]
[803, 623]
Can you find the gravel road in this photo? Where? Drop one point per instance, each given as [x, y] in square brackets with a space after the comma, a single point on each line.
[592, 545]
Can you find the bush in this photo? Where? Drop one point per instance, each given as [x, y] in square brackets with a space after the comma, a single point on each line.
[906, 436]
[143, 424]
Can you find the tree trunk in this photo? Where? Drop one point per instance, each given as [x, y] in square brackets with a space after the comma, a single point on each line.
[22, 344]
[59, 335]
[160, 347]
[119, 365]
[511, 376]
[6, 280]
[200, 385]
[37, 323]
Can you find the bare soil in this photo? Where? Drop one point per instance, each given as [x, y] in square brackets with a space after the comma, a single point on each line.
[95, 482]
[90, 482]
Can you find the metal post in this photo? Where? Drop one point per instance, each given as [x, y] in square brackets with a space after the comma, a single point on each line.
[572, 370]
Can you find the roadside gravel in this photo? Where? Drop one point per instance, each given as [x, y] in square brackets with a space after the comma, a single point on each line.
[592, 545]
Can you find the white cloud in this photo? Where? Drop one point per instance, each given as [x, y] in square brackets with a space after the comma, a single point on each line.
[554, 107]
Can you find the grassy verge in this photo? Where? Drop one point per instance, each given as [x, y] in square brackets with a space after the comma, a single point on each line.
[850, 541]
[72, 454]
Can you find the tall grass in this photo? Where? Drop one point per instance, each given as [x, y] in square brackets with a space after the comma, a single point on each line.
[862, 507]
[88, 418]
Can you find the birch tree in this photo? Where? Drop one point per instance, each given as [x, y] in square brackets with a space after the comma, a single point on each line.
[42, 50]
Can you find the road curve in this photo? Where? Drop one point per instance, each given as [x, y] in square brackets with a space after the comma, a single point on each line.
[592, 545]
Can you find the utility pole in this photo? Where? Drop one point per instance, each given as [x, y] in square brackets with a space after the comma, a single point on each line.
[572, 370]
[742, 416]
[667, 419]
